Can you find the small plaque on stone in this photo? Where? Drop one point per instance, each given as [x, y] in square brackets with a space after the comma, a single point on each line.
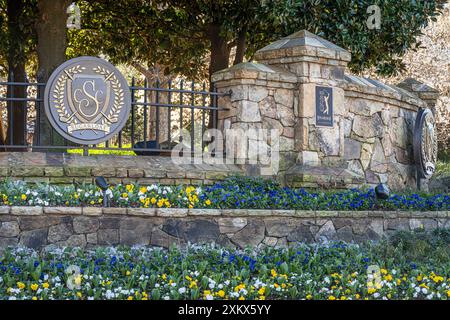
[324, 106]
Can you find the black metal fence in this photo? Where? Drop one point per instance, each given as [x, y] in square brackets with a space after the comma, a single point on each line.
[159, 113]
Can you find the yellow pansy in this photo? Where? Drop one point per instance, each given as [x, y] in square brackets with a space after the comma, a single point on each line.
[129, 187]
[125, 195]
[331, 298]
[23, 197]
[261, 291]
[221, 293]
[20, 285]
[130, 298]
[143, 190]
[78, 280]
[34, 286]
[308, 297]
[208, 202]
[206, 292]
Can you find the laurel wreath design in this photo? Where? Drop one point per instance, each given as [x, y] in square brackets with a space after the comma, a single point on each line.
[58, 93]
[113, 115]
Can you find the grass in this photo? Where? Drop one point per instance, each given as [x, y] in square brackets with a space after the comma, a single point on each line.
[118, 152]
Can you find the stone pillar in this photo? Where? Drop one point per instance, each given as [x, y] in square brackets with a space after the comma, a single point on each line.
[317, 63]
[262, 97]
[426, 93]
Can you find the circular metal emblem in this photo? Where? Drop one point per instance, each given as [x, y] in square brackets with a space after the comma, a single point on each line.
[87, 100]
[425, 143]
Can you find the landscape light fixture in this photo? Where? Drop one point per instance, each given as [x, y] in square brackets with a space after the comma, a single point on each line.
[382, 191]
[102, 184]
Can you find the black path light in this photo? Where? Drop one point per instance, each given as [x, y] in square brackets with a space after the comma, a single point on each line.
[103, 184]
[382, 191]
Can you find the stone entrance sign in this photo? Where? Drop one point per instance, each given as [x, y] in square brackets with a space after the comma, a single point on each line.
[87, 100]
[337, 130]
[324, 106]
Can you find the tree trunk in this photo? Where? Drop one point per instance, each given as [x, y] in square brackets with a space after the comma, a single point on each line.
[17, 110]
[220, 55]
[51, 50]
[240, 47]
[220, 52]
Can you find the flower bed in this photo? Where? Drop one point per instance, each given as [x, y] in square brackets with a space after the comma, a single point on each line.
[328, 271]
[236, 192]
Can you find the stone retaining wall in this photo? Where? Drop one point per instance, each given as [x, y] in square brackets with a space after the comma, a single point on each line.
[62, 168]
[370, 139]
[39, 227]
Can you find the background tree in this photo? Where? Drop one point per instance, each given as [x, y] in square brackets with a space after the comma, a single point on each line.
[199, 37]
[343, 22]
[17, 19]
[51, 34]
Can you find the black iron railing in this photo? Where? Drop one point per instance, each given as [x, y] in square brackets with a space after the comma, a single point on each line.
[159, 113]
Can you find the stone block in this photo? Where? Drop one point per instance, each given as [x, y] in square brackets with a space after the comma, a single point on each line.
[34, 239]
[204, 212]
[85, 225]
[20, 171]
[5, 209]
[77, 171]
[108, 237]
[103, 172]
[251, 235]
[114, 211]
[92, 211]
[63, 210]
[59, 232]
[248, 111]
[9, 229]
[146, 212]
[231, 225]
[54, 171]
[75, 241]
[352, 149]
[309, 158]
[171, 212]
[135, 173]
[161, 239]
[26, 211]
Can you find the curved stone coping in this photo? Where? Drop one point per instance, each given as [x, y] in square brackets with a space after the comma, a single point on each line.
[397, 97]
[180, 212]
